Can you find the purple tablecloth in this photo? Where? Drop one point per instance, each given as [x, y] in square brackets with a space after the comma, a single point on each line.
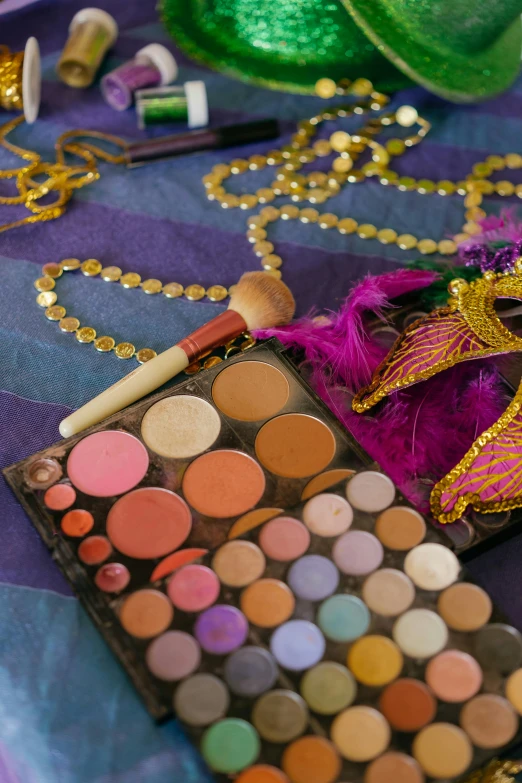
[67, 712]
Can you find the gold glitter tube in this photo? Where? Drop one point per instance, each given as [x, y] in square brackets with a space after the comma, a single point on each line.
[91, 33]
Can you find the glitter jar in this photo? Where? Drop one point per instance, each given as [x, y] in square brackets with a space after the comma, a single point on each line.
[91, 33]
[164, 105]
[151, 66]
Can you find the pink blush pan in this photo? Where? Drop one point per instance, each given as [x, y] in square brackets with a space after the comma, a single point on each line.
[107, 463]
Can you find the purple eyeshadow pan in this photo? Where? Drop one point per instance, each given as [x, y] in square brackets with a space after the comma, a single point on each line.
[313, 578]
[221, 629]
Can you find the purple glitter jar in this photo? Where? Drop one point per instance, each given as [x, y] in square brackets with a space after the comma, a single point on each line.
[152, 66]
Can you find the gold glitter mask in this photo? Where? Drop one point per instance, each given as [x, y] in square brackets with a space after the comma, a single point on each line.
[489, 477]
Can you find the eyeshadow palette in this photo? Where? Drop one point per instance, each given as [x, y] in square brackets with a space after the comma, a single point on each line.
[127, 502]
[340, 641]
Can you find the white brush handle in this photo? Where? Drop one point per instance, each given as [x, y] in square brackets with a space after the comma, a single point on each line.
[137, 384]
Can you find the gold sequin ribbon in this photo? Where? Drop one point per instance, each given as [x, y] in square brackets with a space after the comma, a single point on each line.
[11, 79]
[496, 772]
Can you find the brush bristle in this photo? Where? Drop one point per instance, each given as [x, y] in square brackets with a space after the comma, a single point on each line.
[262, 301]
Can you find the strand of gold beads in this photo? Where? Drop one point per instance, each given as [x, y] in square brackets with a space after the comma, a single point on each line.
[317, 187]
[47, 298]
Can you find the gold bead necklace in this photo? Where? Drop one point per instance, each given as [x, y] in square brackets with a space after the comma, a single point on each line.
[315, 187]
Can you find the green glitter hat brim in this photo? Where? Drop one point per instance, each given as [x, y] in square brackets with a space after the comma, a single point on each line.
[229, 55]
[463, 78]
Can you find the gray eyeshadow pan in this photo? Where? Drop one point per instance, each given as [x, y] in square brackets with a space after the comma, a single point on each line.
[498, 647]
[250, 671]
[201, 700]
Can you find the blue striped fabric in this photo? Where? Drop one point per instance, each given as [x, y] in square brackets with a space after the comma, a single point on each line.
[67, 713]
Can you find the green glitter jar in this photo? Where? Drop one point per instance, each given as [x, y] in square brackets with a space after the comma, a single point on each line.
[166, 105]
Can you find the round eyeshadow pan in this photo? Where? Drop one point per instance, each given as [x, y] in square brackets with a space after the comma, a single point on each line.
[465, 607]
[297, 645]
[514, 690]
[327, 515]
[112, 577]
[250, 391]
[146, 613]
[280, 716]
[250, 671]
[498, 647]
[267, 603]
[221, 629]
[400, 528]
[238, 563]
[394, 767]
[328, 688]
[343, 618]
[149, 522]
[284, 539]
[223, 483]
[173, 656]
[230, 745]
[311, 759]
[360, 733]
[201, 700]
[77, 522]
[420, 633]
[193, 588]
[357, 552]
[370, 491]
[454, 676]
[180, 426]
[42, 472]
[408, 705]
[432, 566]
[94, 550]
[59, 497]
[313, 578]
[443, 750]
[262, 773]
[375, 660]
[388, 592]
[295, 445]
[489, 721]
[107, 463]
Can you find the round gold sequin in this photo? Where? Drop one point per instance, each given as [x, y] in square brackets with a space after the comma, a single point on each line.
[274, 273]
[496, 162]
[473, 199]
[70, 264]
[263, 248]
[209, 180]
[52, 270]
[459, 238]
[256, 235]
[426, 246]
[325, 88]
[238, 166]
[318, 196]
[216, 293]
[342, 165]
[395, 146]
[256, 162]
[475, 214]
[328, 220]
[194, 292]
[104, 344]
[192, 369]
[406, 183]
[513, 160]
[425, 186]
[317, 178]
[445, 187]
[361, 88]
[229, 201]
[272, 261]
[504, 188]
[221, 170]
[125, 350]
[386, 236]
[86, 334]
[308, 215]
[212, 361]
[248, 201]
[172, 290]
[55, 313]
[152, 286]
[340, 141]
[406, 241]
[145, 355]
[91, 267]
[380, 155]
[406, 116]
[44, 284]
[347, 226]
[481, 170]
[447, 247]
[130, 280]
[367, 231]
[472, 228]
[46, 299]
[264, 195]
[322, 148]
[111, 274]
[69, 325]
[269, 214]
[289, 212]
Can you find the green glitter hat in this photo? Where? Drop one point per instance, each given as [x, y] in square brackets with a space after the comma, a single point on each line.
[283, 44]
[464, 50]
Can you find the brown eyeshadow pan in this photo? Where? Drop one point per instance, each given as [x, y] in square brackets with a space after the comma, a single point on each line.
[295, 445]
[250, 391]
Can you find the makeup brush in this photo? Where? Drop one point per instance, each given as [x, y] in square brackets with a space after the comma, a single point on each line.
[259, 301]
